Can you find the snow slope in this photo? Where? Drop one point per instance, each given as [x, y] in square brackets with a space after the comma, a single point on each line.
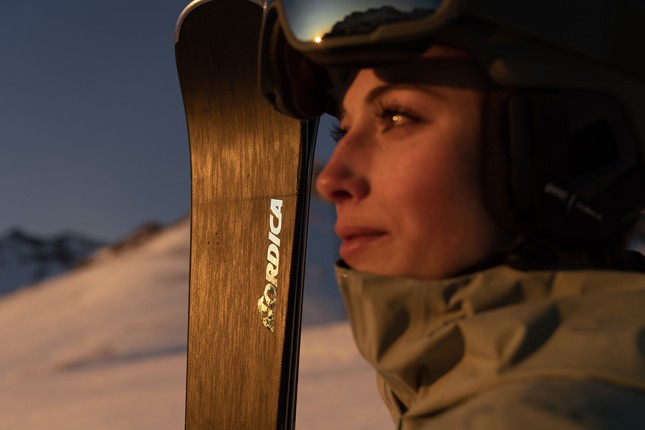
[103, 347]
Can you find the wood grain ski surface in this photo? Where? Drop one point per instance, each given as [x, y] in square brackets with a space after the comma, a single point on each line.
[248, 226]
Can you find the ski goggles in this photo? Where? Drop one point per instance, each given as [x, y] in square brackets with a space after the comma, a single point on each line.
[323, 30]
[314, 27]
[299, 38]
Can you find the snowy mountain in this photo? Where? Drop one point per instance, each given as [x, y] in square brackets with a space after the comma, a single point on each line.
[103, 346]
[26, 258]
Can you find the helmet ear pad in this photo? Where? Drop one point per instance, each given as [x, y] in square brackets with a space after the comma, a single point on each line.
[497, 176]
[562, 164]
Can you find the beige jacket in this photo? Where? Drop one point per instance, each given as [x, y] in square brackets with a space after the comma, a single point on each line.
[504, 349]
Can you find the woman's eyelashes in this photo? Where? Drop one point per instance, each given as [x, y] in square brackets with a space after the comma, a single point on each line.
[337, 132]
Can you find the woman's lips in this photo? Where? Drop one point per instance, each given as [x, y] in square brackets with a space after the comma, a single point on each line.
[356, 239]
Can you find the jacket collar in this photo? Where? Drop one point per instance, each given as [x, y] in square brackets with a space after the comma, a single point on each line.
[434, 343]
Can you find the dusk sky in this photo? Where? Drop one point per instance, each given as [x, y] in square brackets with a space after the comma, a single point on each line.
[91, 118]
[92, 124]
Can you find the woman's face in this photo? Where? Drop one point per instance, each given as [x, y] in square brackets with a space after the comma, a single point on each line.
[405, 176]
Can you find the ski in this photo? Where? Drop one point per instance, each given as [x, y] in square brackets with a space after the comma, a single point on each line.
[250, 170]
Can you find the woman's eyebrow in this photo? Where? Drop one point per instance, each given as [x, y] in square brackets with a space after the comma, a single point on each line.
[381, 90]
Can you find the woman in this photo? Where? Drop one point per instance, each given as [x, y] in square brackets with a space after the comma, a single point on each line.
[481, 220]
[501, 344]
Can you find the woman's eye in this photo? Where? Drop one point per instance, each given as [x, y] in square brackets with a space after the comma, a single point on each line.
[394, 118]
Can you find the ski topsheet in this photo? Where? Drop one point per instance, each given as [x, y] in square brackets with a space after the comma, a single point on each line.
[250, 189]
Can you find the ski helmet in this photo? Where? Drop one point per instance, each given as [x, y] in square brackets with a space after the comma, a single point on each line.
[567, 119]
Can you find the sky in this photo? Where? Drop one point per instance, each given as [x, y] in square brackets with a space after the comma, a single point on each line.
[93, 137]
[92, 127]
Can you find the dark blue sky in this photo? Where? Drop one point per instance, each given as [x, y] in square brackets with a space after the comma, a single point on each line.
[91, 119]
[92, 128]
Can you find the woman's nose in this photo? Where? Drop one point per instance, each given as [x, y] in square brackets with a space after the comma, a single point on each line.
[344, 177]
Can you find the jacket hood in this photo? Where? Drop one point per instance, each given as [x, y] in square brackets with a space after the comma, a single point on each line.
[437, 343]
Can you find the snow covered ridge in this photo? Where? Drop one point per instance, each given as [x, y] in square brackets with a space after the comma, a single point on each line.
[26, 258]
[137, 238]
[103, 346]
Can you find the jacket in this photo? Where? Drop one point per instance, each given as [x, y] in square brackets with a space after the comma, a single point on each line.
[504, 349]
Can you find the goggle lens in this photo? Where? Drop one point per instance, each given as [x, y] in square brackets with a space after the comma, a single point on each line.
[314, 21]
